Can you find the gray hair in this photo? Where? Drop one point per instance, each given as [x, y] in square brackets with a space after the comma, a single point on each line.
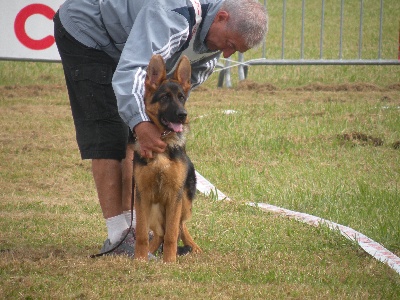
[249, 18]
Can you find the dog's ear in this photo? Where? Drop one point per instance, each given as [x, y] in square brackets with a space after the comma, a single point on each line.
[156, 73]
[183, 73]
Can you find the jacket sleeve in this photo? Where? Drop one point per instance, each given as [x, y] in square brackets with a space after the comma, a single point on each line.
[202, 69]
[155, 31]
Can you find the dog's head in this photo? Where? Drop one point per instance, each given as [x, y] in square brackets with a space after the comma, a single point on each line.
[165, 98]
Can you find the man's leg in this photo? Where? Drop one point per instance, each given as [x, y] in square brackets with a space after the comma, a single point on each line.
[107, 174]
[100, 132]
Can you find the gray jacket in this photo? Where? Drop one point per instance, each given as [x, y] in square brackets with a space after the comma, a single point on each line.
[131, 31]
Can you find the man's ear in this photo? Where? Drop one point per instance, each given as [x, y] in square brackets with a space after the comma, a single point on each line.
[222, 16]
[156, 73]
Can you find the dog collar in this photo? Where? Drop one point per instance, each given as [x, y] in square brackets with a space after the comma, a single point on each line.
[165, 133]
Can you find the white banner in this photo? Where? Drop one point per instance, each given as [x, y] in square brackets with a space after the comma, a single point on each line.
[26, 30]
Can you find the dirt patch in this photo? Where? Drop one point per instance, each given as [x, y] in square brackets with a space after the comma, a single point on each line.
[395, 87]
[359, 138]
[249, 85]
[344, 87]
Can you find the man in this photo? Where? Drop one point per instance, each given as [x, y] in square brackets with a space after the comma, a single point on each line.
[105, 47]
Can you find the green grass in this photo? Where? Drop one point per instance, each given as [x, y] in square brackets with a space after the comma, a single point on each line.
[28, 73]
[288, 147]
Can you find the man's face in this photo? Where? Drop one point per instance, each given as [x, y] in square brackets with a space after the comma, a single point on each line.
[221, 38]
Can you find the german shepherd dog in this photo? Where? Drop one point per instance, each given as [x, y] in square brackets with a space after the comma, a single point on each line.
[165, 185]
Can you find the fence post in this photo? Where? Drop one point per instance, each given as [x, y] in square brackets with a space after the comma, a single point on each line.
[241, 68]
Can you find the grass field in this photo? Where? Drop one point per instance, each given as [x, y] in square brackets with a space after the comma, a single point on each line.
[327, 150]
[323, 140]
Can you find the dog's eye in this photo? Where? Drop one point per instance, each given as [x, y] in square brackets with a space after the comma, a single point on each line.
[164, 98]
[182, 98]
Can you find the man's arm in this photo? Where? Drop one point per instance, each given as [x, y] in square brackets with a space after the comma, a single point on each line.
[155, 31]
[202, 69]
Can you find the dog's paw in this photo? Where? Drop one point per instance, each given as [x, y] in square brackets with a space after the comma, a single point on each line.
[183, 250]
[188, 249]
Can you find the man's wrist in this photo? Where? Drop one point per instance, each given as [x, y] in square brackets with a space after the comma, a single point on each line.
[138, 126]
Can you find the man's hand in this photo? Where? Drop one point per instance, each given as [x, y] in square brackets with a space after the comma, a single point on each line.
[149, 138]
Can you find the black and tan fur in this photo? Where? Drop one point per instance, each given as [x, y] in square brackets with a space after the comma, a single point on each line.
[165, 185]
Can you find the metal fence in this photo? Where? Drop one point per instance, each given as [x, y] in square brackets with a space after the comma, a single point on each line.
[225, 65]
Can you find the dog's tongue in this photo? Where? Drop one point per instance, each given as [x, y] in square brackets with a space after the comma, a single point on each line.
[177, 127]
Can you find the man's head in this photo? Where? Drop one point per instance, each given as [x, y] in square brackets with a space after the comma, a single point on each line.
[238, 26]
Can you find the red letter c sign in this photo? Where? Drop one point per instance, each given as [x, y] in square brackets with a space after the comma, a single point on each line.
[19, 26]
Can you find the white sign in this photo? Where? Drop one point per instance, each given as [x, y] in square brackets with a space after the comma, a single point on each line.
[26, 30]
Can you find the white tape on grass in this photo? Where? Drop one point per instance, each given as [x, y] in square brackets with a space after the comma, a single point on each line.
[205, 187]
[370, 246]
[373, 248]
